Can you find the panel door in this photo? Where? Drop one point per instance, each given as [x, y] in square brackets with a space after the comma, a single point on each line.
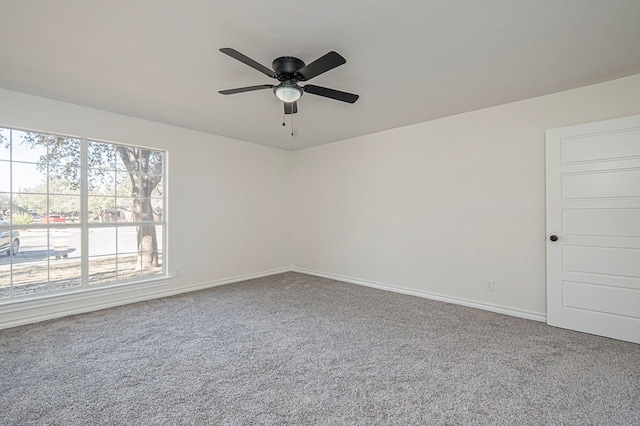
[593, 228]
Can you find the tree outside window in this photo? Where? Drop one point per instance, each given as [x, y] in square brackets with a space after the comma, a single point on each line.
[45, 180]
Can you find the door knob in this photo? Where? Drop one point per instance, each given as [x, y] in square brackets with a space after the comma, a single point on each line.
[553, 238]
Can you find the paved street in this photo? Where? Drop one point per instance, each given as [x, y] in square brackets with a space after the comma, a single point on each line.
[37, 245]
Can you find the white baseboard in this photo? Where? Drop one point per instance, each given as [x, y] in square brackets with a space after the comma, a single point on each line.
[46, 307]
[433, 296]
[82, 301]
[232, 280]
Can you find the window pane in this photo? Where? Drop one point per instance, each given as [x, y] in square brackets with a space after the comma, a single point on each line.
[159, 189]
[69, 183]
[148, 238]
[102, 252]
[120, 164]
[102, 269]
[5, 261]
[31, 264]
[5, 176]
[154, 163]
[63, 242]
[146, 263]
[101, 182]
[63, 155]
[102, 241]
[5, 205]
[127, 207]
[128, 267]
[34, 204]
[127, 239]
[158, 211]
[101, 155]
[160, 234]
[99, 208]
[64, 266]
[150, 271]
[34, 246]
[30, 178]
[64, 209]
[29, 147]
[123, 184]
[5, 278]
[5, 144]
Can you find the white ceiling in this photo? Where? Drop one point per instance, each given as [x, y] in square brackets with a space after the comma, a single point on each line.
[410, 61]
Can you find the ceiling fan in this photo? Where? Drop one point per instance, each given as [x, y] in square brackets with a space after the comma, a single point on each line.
[289, 71]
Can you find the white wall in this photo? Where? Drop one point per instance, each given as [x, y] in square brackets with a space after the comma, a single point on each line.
[441, 207]
[436, 208]
[229, 202]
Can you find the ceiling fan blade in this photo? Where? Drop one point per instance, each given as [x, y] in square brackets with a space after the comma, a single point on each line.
[245, 89]
[320, 65]
[248, 61]
[290, 107]
[331, 93]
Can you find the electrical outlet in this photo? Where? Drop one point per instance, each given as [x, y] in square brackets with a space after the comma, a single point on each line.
[489, 285]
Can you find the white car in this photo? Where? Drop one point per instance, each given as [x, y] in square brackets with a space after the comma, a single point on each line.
[9, 240]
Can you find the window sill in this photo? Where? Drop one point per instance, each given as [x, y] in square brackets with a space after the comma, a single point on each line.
[48, 306]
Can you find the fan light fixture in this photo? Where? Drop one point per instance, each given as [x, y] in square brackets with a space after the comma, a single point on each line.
[289, 71]
[287, 92]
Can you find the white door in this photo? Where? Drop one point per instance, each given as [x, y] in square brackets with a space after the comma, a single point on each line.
[593, 208]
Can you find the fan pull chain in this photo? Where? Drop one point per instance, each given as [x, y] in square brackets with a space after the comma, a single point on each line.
[292, 123]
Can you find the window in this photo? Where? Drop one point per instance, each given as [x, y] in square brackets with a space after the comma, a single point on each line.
[78, 213]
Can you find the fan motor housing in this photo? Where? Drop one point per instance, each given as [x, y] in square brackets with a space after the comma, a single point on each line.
[286, 66]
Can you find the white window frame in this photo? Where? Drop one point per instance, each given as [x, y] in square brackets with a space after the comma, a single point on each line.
[85, 226]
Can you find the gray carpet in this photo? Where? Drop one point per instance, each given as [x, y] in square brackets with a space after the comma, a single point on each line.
[295, 349]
